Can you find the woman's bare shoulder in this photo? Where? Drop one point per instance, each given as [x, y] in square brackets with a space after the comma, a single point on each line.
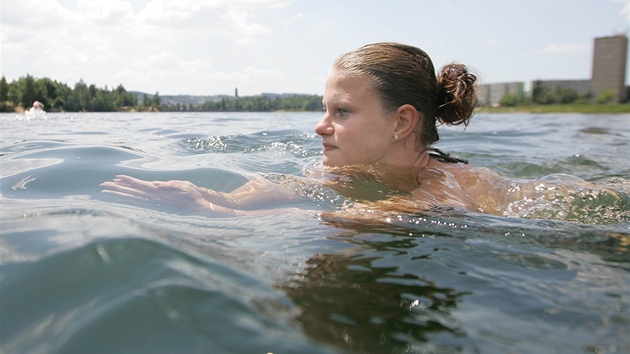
[461, 185]
[467, 174]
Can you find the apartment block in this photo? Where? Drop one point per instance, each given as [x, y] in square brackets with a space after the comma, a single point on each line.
[491, 94]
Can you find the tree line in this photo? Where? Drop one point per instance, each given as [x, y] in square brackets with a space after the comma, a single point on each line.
[57, 96]
[260, 103]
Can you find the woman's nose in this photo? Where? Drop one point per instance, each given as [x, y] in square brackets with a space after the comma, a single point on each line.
[324, 127]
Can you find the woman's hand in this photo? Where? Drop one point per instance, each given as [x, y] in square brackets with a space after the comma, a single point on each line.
[179, 194]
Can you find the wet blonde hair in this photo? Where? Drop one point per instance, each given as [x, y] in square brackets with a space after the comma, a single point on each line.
[404, 74]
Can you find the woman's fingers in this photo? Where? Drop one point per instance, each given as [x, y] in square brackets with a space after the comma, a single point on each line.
[150, 190]
[131, 182]
[134, 182]
[180, 194]
[184, 186]
[121, 194]
[118, 186]
[129, 186]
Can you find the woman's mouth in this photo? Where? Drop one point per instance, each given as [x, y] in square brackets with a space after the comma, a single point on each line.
[328, 147]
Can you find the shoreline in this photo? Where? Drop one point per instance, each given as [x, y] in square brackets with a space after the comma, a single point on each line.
[560, 108]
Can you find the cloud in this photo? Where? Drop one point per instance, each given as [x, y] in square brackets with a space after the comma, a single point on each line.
[154, 19]
[94, 39]
[105, 11]
[174, 74]
[173, 20]
[30, 13]
[237, 23]
[161, 70]
[172, 10]
[624, 11]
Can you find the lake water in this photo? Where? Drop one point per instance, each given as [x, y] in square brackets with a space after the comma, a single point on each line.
[86, 272]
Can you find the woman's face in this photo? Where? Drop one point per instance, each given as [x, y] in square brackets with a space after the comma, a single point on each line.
[355, 128]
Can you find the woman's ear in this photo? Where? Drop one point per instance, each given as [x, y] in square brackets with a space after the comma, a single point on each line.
[407, 119]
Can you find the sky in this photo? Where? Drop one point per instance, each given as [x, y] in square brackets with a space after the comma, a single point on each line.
[209, 47]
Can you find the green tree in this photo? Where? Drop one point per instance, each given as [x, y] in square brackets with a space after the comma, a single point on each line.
[4, 89]
[118, 96]
[539, 92]
[46, 91]
[145, 101]
[63, 101]
[565, 95]
[101, 102]
[80, 97]
[4, 95]
[511, 100]
[606, 96]
[155, 102]
[26, 91]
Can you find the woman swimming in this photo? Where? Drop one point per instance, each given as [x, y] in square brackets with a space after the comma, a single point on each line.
[383, 104]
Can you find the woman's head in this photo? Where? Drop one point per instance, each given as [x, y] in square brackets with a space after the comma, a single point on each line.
[403, 74]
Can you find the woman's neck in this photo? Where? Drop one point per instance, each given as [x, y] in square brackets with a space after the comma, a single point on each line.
[422, 160]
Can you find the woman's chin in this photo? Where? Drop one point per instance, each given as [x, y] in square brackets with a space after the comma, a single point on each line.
[327, 161]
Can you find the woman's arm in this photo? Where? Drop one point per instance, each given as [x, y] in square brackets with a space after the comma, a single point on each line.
[184, 194]
[257, 192]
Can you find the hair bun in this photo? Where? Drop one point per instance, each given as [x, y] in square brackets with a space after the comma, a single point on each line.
[456, 98]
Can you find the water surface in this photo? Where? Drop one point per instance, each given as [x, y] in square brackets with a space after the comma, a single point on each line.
[82, 271]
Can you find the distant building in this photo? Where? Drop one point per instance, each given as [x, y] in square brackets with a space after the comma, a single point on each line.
[610, 55]
[491, 94]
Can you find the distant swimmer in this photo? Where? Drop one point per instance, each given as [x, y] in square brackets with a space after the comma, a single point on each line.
[36, 112]
[37, 106]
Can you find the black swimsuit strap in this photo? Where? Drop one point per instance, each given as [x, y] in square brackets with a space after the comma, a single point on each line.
[444, 157]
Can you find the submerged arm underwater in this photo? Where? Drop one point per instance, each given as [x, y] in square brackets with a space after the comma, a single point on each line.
[243, 201]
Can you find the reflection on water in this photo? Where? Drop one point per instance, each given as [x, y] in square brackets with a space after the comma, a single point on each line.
[419, 289]
[347, 301]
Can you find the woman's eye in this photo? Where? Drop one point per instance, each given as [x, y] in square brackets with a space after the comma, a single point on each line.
[340, 112]
[343, 112]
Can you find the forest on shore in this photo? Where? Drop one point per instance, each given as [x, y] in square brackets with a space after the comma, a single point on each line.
[56, 96]
[20, 94]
